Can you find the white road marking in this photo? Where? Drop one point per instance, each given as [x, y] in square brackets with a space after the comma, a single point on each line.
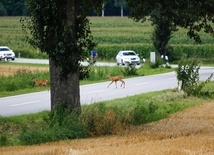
[97, 91]
[173, 78]
[20, 104]
[138, 84]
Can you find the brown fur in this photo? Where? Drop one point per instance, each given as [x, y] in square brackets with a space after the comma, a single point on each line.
[115, 79]
[40, 82]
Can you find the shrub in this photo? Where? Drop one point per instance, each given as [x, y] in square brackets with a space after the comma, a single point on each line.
[100, 120]
[188, 77]
[60, 124]
[22, 79]
[129, 70]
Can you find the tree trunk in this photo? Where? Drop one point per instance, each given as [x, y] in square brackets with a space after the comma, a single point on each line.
[66, 90]
[121, 10]
[103, 9]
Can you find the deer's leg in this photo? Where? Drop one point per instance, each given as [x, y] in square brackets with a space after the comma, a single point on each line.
[110, 83]
[123, 83]
[116, 84]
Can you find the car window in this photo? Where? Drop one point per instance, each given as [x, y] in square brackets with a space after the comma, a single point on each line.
[4, 49]
[129, 53]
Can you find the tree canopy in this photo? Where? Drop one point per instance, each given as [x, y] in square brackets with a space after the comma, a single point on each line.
[190, 14]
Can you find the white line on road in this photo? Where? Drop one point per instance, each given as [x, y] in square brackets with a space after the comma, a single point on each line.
[138, 84]
[173, 78]
[20, 104]
[97, 91]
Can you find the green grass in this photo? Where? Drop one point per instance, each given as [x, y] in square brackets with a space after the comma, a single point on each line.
[22, 81]
[103, 118]
[111, 34]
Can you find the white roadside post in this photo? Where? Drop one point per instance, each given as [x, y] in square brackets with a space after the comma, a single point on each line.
[152, 57]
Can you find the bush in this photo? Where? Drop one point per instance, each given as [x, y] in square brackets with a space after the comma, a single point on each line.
[100, 120]
[22, 79]
[188, 77]
[60, 124]
[129, 70]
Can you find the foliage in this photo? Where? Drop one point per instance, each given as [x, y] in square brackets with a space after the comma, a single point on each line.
[190, 14]
[99, 120]
[130, 70]
[22, 79]
[60, 124]
[13, 8]
[52, 35]
[104, 118]
[188, 77]
[113, 34]
[84, 72]
[162, 31]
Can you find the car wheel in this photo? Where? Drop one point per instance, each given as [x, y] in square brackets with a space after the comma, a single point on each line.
[122, 62]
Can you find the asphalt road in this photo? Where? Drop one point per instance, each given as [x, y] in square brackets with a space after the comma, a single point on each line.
[35, 102]
[45, 61]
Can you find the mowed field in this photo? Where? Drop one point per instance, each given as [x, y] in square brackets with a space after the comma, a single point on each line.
[190, 132]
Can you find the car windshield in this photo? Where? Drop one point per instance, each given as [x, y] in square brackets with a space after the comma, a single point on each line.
[4, 49]
[128, 53]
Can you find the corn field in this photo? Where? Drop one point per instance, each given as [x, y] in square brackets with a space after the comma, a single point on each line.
[113, 34]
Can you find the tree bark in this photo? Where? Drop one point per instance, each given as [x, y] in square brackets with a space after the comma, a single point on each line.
[66, 90]
[121, 10]
[103, 9]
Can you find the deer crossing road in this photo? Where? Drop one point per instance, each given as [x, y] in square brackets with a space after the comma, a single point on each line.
[35, 102]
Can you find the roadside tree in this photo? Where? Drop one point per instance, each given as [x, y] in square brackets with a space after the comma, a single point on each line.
[61, 29]
[167, 15]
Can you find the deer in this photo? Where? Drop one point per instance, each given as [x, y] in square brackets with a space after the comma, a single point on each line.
[115, 79]
[40, 82]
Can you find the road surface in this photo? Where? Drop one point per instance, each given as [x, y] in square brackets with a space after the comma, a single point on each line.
[35, 102]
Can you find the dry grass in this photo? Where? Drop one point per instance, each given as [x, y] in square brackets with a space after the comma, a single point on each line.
[187, 133]
[7, 70]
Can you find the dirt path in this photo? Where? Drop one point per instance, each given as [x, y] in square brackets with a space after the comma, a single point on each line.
[190, 132]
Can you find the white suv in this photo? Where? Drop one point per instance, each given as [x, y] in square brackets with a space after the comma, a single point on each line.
[6, 53]
[127, 57]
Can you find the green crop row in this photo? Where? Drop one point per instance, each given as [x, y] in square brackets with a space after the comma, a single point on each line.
[112, 34]
[176, 52]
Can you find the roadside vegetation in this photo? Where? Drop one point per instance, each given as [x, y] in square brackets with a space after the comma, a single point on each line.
[21, 81]
[103, 118]
[113, 34]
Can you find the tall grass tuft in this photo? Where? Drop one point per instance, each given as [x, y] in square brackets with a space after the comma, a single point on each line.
[22, 79]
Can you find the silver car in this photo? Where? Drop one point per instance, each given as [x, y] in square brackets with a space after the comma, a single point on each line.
[127, 57]
[6, 53]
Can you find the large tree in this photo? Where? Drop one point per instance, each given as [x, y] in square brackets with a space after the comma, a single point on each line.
[61, 29]
[190, 14]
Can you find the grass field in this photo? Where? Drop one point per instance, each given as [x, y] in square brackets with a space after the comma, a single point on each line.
[111, 34]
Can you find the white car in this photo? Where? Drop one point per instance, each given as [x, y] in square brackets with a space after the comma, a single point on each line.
[127, 57]
[6, 53]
